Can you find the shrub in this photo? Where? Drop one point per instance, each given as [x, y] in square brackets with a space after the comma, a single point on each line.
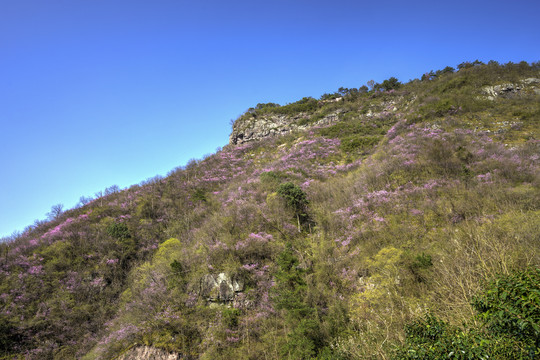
[509, 307]
[359, 143]
[419, 266]
[199, 195]
[438, 108]
[270, 177]
[118, 231]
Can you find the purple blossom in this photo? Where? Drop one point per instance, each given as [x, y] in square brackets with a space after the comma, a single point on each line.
[98, 282]
[250, 267]
[36, 270]
[121, 334]
[260, 238]
[346, 241]
[485, 178]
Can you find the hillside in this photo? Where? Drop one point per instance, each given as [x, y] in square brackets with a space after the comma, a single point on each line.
[324, 229]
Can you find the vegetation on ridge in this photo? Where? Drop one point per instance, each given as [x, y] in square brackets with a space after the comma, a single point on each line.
[393, 232]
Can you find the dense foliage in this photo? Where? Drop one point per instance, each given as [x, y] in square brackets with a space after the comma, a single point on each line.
[509, 313]
[407, 227]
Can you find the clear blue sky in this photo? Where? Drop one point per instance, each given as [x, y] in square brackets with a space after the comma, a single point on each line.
[101, 92]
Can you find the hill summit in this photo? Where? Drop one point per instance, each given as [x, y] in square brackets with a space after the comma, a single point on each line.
[386, 221]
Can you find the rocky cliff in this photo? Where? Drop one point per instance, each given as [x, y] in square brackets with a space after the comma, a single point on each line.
[220, 288]
[529, 86]
[256, 128]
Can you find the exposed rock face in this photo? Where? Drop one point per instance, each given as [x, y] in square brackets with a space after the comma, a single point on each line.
[527, 86]
[220, 288]
[148, 353]
[245, 130]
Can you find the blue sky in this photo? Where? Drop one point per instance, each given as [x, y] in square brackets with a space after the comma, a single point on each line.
[101, 92]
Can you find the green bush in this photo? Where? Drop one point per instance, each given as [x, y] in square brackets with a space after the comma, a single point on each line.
[438, 108]
[230, 317]
[509, 308]
[358, 143]
[510, 305]
[270, 177]
[307, 104]
[200, 195]
[118, 231]
[345, 129]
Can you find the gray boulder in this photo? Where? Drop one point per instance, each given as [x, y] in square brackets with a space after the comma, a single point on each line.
[526, 86]
[220, 287]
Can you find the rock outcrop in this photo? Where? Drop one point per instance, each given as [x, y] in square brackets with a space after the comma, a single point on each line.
[529, 86]
[220, 288]
[250, 129]
[148, 353]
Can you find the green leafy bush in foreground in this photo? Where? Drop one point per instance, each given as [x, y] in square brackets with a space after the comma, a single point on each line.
[509, 314]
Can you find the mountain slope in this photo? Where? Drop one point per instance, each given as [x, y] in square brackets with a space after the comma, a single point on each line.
[321, 230]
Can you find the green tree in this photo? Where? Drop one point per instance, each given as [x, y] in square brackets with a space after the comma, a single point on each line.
[290, 286]
[305, 338]
[390, 84]
[296, 200]
[446, 70]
